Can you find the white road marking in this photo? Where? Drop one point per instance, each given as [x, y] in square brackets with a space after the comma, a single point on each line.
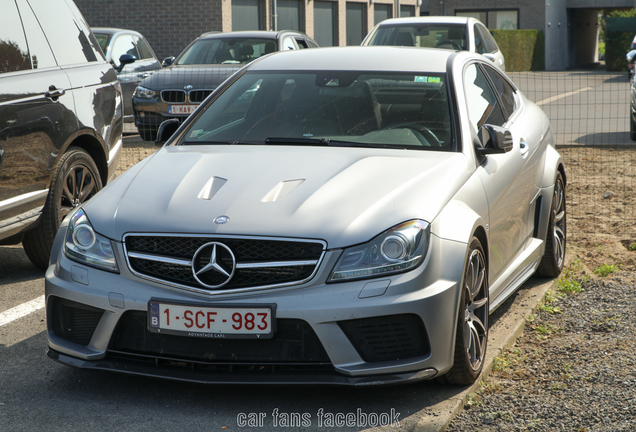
[562, 95]
[21, 310]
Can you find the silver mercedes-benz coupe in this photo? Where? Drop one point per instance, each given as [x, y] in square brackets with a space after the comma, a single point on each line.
[343, 216]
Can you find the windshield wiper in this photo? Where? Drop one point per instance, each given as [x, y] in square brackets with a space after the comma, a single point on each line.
[285, 140]
[220, 142]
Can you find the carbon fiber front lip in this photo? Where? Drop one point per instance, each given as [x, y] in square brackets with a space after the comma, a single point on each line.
[133, 367]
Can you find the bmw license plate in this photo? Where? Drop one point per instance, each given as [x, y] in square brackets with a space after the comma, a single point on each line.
[181, 109]
[211, 322]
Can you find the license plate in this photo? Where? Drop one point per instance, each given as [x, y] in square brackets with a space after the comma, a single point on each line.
[212, 322]
[181, 109]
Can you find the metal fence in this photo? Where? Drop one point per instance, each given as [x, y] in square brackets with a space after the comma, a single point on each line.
[589, 114]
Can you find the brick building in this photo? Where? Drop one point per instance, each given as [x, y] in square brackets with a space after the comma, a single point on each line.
[570, 26]
[170, 25]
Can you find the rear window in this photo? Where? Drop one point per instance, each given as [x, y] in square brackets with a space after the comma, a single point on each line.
[395, 110]
[448, 36]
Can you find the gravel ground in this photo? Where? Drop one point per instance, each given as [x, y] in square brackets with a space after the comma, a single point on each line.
[574, 369]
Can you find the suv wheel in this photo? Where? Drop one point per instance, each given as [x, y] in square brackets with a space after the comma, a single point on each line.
[75, 180]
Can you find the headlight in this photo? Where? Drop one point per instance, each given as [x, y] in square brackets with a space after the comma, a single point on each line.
[144, 93]
[84, 245]
[397, 250]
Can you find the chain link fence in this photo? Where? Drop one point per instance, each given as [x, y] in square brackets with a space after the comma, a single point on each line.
[589, 114]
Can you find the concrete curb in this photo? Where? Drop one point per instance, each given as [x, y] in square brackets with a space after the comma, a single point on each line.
[503, 334]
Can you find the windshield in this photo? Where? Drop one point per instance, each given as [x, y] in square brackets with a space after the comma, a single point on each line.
[394, 110]
[448, 36]
[226, 51]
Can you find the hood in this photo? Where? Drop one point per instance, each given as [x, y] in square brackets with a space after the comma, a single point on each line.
[343, 196]
[199, 77]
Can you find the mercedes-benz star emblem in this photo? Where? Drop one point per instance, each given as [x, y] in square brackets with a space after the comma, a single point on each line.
[213, 265]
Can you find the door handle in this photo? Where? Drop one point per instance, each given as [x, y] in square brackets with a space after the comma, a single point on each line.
[54, 93]
[523, 147]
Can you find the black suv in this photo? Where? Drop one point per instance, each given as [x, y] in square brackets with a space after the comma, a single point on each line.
[60, 120]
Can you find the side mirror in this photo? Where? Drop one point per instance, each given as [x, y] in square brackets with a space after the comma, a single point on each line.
[167, 61]
[124, 60]
[495, 140]
[166, 130]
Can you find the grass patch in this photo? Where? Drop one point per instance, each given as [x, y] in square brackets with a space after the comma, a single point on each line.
[605, 270]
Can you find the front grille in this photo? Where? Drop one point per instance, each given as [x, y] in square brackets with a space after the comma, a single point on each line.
[257, 262]
[173, 96]
[386, 338]
[198, 96]
[294, 342]
[73, 321]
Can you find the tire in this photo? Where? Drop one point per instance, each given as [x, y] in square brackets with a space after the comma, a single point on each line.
[148, 134]
[632, 126]
[471, 337]
[553, 259]
[75, 179]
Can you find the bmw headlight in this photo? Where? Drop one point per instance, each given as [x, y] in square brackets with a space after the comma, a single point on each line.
[400, 249]
[84, 245]
[144, 93]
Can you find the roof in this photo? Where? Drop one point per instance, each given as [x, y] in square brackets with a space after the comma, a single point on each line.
[428, 20]
[112, 30]
[257, 34]
[365, 58]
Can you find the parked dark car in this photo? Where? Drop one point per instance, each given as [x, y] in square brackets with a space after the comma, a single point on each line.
[177, 90]
[60, 120]
[131, 56]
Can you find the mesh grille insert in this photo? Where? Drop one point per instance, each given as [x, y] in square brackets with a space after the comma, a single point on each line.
[386, 338]
[73, 321]
[294, 341]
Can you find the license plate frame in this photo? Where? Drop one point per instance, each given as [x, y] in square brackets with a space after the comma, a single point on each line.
[208, 320]
[181, 109]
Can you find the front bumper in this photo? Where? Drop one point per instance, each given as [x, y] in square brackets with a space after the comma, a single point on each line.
[327, 347]
[150, 113]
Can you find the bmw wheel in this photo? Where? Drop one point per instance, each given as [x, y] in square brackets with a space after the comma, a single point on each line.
[551, 264]
[471, 337]
[75, 179]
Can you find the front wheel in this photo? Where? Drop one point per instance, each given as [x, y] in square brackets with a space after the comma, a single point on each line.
[75, 179]
[551, 264]
[632, 127]
[471, 337]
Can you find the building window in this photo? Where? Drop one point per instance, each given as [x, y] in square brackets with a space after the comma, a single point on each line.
[325, 23]
[494, 19]
[381, 12]
[289, 15]
[407, 11]
[246, 15]
[356, 22]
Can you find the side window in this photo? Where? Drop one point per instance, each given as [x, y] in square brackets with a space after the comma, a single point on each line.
[482, 103]
[301, 43]
[480, 47]
[124, 44]
[288, 44]
[41, 54]
[489, 42]
[14, 51]
[144, 49]
[67, 35]
[505, 91]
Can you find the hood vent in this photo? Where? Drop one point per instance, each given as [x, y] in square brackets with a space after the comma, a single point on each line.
[211, 188]
[281, 190]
